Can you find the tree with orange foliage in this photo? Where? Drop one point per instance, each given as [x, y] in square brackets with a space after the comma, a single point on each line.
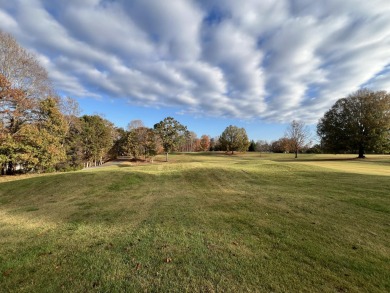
[205, 143]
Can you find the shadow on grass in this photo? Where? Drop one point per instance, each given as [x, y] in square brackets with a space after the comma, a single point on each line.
[125, 165]
[317, 160]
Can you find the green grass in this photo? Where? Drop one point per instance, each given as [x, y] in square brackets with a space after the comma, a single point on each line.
[200, 223]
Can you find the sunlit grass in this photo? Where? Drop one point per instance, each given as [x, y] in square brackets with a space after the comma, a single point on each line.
[202, 222]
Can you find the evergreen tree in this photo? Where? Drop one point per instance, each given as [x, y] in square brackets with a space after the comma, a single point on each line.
[252, 146]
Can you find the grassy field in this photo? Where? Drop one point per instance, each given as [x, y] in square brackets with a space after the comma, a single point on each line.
[200, 223]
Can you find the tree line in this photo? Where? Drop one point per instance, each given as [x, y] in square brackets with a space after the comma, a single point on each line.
[42, 132]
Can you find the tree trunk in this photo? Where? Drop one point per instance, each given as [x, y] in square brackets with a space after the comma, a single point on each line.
[296, 154]
[166, 157]
[10, 168]
[361, 152]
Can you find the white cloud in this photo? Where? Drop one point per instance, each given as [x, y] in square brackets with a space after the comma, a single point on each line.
[63, 80]
[275, 60]
[236, 54]
[107, 27]
[173, 27]
[8, 23]
[380, 81]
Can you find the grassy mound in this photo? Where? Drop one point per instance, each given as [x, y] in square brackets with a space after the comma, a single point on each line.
[200, 223]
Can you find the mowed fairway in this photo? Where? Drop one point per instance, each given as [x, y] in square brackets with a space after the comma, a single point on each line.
[201, 223]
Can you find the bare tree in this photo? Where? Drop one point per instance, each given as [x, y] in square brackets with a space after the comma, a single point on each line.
[298, 134]
[188, 143]
[262, 146]
[22, 69]
[134, 124]
[15, 108]
[70, 109]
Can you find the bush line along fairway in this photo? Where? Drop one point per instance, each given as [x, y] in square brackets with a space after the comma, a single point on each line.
[203, 223]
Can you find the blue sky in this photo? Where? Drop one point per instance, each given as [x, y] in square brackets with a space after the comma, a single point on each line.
[257, 64]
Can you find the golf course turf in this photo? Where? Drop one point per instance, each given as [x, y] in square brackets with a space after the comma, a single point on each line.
[206, 222]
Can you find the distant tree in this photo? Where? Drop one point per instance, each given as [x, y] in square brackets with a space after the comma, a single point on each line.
[357, 123]
[188, 142]
[315, 149]
[298, 134]
[74, 145]
[262, 146]
[192, 137]
[137, 141]
[70, 108]
[196, 145]
[234, 139]
[282, 145]
[97, 137]
[204, 143]
[144, 137]
[286, 144]
[171, 132]
[119, 148]
[134, 124]
[214, 144]
[152, 144]
[276, 146]
[133, 144]
[252, 146]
